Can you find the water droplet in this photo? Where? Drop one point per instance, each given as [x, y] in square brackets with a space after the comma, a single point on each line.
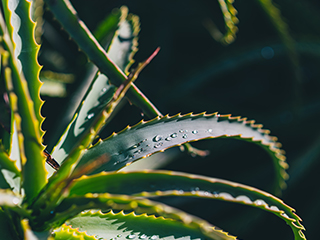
[260, 202]
[143, 236]
[274, 208]
[197, 189]
[185, 136]
[52, 212]
[168, 138]
[154, 237]
[157, 138]
[181, 131]
[103, 90]
[119, 235]
[210, 130]
[158, 145]
[90, 116]
[174, 135]
[194, 131]
[131, 236]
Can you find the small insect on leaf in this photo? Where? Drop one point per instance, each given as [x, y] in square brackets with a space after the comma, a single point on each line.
[51, 161]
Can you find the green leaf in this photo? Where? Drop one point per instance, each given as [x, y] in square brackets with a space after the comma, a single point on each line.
[25, 48]
[68, 233]
[106, 29]
[166, 183]
[28, 130]
[146, 138]
[123, 226]
[67, 15]
[72, 206]
[230, 19]
[91, 115]
[10, 175]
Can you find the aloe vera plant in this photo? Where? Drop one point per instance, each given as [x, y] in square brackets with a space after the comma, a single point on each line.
[86, 196]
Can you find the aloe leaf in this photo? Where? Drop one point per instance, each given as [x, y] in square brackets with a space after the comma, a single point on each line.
[166, 183]
[28, 130]
[229, 14]
[131, 226]
[72, 206]
[66, 14]
[55, 190]
[25, 48]
[91, 113]
[68, 233]
[146, 138]
[9, 172]
[106, 29]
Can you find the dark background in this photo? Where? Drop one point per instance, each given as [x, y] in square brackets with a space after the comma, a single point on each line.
[194, 73]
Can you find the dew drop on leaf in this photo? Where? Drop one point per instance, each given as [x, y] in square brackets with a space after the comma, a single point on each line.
[143, 236]
[154, 237]
[174, 135]
[194, 131]
[131, 236]
[260, 202]
[185, 136]
[90, 116]
[157, 138]
[158, 145]
[210, 130]
[168, 138]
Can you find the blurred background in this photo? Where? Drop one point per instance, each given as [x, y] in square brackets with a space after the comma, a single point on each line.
[270, 73]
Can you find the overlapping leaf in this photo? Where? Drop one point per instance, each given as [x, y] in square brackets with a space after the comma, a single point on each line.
[90, 114]
[156, 135]
[72, 206]
[165, 183]
[131, 226]
[28, 127]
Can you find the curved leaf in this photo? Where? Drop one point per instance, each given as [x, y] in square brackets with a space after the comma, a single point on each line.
[123, 226]
[166, 183]
[25, 48]
[156, 135]
[66, 14]
[30, 146]
[91, 113]
[230, 19]
[68, 233]
[72, 206]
